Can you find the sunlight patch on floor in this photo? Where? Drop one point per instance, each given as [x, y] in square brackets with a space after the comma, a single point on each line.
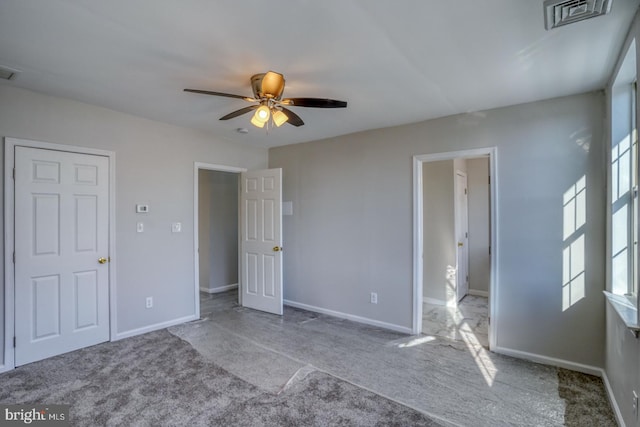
[480, 357]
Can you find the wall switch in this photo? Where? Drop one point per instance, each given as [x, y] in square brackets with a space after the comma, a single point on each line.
[149, 302]
[140, 227]
[635, 404]
[287, 208]
[374, 298]
[142, 208]
[176, 227]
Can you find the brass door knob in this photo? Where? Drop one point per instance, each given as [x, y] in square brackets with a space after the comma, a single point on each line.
[460, 244]
[277, 248]
[102, 260]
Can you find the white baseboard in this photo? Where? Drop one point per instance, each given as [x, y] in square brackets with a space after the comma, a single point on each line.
[545, 360]
[351, 317]
[219, 289]
[5, 368]
[612, 399]
[155, 327]
[478, 293]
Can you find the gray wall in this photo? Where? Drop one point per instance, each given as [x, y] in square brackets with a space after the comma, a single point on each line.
[204, 218]
[221, 235]
[154, 165]
[351, 232]
[622, 348]
[439, 258]
[479, 226]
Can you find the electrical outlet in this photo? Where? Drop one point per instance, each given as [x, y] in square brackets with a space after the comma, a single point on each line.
[635, 404]
[374, 298]
[149, 302]
[140, 227]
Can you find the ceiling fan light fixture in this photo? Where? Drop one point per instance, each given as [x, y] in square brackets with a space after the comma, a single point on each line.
[256, 122]
[279, 118]
[272, 85]
[268, 105]
[261, 116]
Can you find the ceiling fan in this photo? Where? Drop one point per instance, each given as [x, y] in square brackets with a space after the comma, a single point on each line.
[269, 105]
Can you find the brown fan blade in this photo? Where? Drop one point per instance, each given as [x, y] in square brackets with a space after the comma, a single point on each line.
[314, 102]
[294, 119]
[239, 112]
[227, 95]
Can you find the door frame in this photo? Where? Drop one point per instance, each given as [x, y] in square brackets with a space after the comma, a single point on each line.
[196, 225]
[9, 234]
[418, 238]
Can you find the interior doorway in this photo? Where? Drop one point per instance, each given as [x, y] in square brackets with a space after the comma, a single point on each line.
[218, 236]
[257, 231]
[60, 240]
[454, 245]
[216, 190]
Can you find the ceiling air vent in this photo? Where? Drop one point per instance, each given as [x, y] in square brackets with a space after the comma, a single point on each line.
[7, 73]
[562, 12]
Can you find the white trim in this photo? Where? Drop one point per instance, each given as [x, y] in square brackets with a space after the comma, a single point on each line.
[478, 293]
[347, 316]
[418, 276]
[552, 361]
[155, 327]
[219, 289]
[418, 161]
[196, 244]
[9, 201]
[612, 399]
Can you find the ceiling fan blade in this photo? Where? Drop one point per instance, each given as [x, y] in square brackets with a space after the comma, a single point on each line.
[314, 102]
[227, 95]
[239, 112]
[294, 119]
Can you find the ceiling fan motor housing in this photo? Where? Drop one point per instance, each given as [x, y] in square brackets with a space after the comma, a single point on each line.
[267, 85]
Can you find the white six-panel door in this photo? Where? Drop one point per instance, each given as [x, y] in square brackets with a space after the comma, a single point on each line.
[261, 240]
[61, 232]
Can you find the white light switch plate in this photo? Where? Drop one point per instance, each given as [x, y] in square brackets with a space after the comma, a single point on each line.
[140, 227]
[176, 227]
[287, 208]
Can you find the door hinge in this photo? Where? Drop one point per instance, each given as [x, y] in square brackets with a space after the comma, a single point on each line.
[489, 250]
[14, 342]
[466, 234]
[489, 320]
[14, 257]
[465, 191]
[489, 179]
[14, 173]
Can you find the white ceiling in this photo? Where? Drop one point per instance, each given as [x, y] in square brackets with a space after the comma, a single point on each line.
[394, 62]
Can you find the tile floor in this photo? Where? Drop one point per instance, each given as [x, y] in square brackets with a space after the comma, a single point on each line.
[468, 322]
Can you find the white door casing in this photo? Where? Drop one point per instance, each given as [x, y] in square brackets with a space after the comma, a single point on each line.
[418, 276]
[61, 230]
[261, 240]
[462, 235]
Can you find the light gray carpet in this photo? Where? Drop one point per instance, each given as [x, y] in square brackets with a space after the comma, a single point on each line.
[454, 382]
[158, 379]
